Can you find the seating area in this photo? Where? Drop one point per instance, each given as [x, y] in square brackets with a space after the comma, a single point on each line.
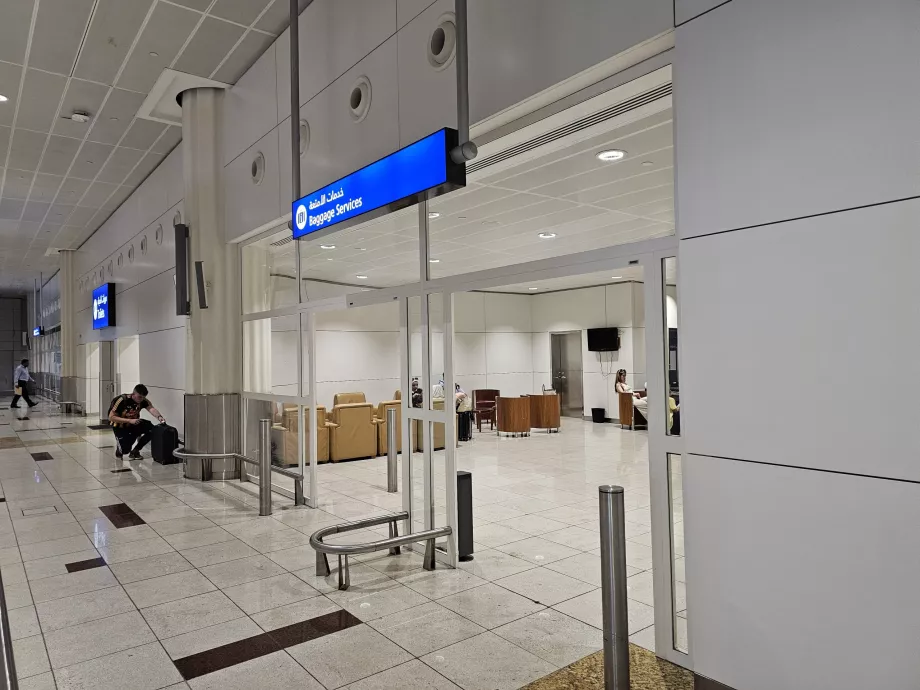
[355, 429]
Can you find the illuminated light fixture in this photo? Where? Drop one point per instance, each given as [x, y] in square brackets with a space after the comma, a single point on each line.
[433, 214]
[616, 277]
[611, 155]
[327, 246]
[3, 99]
[533, 288]
[547, 235]
[434, 261]
[362, 249]
[360, 277]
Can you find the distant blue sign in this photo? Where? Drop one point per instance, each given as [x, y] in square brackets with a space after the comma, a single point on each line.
[104, 306]
[421, 170]
[38, 331]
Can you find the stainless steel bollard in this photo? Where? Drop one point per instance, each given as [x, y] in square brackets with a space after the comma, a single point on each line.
[392, 438]
[265, 467]
[299, 499]
[613, 588]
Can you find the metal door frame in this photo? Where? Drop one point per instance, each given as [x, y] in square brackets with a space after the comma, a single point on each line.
[578, 333]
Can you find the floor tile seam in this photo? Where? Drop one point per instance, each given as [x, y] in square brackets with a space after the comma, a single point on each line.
[494, 631]
[91, 620]
[56, 669]
[171, 601]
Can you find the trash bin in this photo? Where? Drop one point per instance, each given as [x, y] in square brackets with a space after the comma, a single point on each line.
[599, 415]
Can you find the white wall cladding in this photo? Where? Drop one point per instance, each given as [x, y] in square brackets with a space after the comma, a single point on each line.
[518, 48]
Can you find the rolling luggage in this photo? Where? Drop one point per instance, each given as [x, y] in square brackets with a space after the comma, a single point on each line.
[164, 439]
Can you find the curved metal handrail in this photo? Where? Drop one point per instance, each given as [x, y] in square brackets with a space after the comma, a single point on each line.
[343, 551]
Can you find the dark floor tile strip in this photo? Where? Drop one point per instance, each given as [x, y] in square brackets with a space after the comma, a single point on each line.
[41, 456]
[123, 469]
[121, 515]
[703, 683]
[251, 648]
[85, 565]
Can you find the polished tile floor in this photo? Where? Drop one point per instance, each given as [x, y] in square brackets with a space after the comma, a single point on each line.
[123, 574]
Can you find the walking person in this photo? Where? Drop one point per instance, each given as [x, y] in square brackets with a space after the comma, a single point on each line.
[21, 379]
[131, 432]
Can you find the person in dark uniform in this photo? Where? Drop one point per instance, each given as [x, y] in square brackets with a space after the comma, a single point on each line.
[131, 432]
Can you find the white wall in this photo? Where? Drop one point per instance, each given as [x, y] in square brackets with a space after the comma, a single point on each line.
[518, 49]
[616, 305]
[798, 502]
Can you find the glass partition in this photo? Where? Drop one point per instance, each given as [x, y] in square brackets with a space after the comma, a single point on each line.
[269, 266]
[671, 332]
[678, 566]
[270, 355]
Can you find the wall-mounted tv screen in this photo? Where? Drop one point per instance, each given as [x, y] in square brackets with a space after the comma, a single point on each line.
[603, 339]
[104, 306]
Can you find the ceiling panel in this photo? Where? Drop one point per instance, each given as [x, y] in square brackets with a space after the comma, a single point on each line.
[10, 76]
[276, 19]
[143, 134]
[120, 165]
[114, 26]
[41, 96]
[200, 5]
[168, 141]
[14, 29]
[116, 116]
[166, 32]
[18, 183]
[147, 165]
[35, 211]
[242, 58]
[59, 154]
[98, 194]
[59, 29]
[73, 189]
[90, 160]
[45, 187]
[81, 96]
[213, 40]
[82, 215]
[26, 149]
[239, 11]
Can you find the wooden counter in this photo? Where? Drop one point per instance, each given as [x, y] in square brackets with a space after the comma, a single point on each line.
[545, 412]
[513, 415]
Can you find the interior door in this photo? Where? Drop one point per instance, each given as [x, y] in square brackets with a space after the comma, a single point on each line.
[567, 372]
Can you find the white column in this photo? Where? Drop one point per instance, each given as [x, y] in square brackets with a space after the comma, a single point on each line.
[798, 197]
[68, 312]
[214, 347]
[257, 290]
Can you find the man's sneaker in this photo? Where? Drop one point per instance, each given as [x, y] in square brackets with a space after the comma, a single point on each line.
[135, 455]
[119, 454]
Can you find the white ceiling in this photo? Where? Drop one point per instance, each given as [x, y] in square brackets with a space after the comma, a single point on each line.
[61, 179]
[495, 221]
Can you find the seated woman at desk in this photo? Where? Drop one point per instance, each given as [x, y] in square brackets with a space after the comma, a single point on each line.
[640, 400]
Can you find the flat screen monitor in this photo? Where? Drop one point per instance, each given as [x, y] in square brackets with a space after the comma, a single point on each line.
[603, 339]
[104, 306]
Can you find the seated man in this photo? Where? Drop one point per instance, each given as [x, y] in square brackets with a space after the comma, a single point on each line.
[131, 432]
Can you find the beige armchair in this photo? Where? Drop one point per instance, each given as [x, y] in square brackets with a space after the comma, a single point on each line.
[289, 422]
[352, 432]
[380, 419]
[348, 399]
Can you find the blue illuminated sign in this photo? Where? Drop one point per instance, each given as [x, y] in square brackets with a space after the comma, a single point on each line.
[421, 170]
[38, 331]
[104, 306]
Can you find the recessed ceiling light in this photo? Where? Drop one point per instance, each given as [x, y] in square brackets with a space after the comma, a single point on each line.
[647, 164]
[616, 277]
[154, 54]
[434, 214]
[547, 235]
[362, 249]
[434, 261]
[3, 99]
[611, 155]
[533, 288]
[113, 119]
[461, 217]
[327, 246]
[360, 277]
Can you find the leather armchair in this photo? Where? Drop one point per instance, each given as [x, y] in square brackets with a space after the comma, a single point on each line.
[348, 399]
[352, 432]
[380, 419]
[291, 427]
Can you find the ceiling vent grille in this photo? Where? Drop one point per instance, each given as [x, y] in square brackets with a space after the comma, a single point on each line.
[572, 127]
[283, 241]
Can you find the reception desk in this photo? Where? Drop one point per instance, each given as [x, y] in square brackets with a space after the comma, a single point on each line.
[513, 416]
[545, 412]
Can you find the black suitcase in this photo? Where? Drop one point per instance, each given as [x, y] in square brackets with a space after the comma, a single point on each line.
[164, 440]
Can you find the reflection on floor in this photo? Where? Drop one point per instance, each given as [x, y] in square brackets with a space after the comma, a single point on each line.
[141, 579]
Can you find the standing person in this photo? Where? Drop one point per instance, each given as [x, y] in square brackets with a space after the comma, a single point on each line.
[131, 432]
[21, 378]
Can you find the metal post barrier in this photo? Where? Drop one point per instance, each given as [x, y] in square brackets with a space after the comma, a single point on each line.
[299, 499]
[265, 467]
[9, 679]
[613, 588]
[392, 482]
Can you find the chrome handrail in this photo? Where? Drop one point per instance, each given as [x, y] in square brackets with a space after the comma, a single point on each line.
[343, 551]
[242, 458]
[10, 682]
